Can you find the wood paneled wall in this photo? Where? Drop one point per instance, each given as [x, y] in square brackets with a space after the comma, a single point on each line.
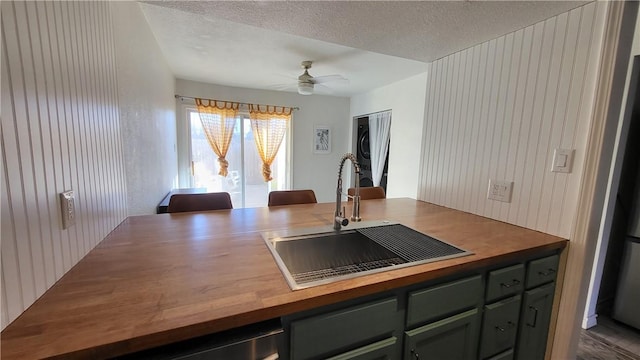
[60, 131]
[499, 109]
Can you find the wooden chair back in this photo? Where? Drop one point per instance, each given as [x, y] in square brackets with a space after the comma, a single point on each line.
[368, 193]
[292, 197]
[199, 202]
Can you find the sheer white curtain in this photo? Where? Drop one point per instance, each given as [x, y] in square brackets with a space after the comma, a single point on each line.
[379, 127]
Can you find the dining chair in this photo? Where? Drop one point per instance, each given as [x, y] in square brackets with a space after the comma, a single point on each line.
[368, 193]
[292, 197]
[199, 202]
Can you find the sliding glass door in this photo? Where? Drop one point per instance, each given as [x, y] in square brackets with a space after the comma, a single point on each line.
[244, 182]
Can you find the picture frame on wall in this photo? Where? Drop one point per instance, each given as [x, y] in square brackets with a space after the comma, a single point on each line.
[321, 139]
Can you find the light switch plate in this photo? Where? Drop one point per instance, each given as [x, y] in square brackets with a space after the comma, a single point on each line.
[562, 160]
[68, 209]
[500, 190]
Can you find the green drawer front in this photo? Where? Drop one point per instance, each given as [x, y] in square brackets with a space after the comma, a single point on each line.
[542, 271]
[500, 326]
[442, 300]
[505, 282]
[507, 355]
[336, 330]
[381, 350]
[452, 338]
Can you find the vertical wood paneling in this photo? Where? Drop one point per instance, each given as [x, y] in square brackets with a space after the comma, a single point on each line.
[496, 48]
[574, 61]
[584, 45]
[502, 125]
[538, 74]
[497, 111]
[17, 159]
[457, 130]
[40, 145]
[60, 131]
[474, 57]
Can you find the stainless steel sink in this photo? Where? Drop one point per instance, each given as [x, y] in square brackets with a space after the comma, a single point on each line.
[314, 256]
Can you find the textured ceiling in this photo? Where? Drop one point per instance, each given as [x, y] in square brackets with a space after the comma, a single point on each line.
[372, 43]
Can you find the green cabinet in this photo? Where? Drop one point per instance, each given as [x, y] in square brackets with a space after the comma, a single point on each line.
[534, 325]
[542, 271]
[537, 304]
[381, 350]
[443, 300]
[505, 282]
[507, 355]
[499, 326]
[455, 337]
[499, 313]
[317, 336]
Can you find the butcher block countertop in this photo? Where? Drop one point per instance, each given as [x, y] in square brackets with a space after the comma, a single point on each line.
[162, 278]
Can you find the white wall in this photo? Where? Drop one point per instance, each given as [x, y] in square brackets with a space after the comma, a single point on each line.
[405, 99]
[147, 110]
[499, 109]
[60, 131]
[310, 171]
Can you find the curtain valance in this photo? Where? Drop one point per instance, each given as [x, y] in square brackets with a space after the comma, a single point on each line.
[217, 104]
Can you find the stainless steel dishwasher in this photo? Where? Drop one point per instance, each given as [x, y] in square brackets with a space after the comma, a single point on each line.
[252, 342]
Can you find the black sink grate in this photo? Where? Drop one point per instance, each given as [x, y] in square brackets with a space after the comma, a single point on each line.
[409, 244]
[316, 275]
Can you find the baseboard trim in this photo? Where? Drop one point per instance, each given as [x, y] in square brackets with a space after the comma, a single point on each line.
[590, 321]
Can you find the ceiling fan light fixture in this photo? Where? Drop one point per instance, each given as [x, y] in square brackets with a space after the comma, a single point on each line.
[305, 88]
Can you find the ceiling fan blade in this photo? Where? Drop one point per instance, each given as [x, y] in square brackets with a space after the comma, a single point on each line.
[330, 78]
[283, 87]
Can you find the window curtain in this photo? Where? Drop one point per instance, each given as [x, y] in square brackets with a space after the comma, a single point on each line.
[269, 125]
[379, 128]
[218, 120]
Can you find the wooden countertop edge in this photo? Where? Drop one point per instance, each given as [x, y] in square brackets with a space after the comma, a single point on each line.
[148, 341]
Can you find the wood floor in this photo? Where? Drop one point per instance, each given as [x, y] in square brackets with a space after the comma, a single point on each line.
[609, 340]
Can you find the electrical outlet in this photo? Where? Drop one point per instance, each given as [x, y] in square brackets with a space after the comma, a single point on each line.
[500, 190]
[68, 209]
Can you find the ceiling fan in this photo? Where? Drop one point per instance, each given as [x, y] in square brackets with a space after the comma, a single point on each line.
[306, 82]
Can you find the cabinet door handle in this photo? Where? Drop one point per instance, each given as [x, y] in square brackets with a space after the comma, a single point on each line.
[547, 273]
[535, 316]
[514, 282]
[415, 354]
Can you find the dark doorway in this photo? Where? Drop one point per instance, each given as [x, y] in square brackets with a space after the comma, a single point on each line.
[363, 154]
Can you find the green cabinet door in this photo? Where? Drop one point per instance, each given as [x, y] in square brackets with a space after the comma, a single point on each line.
[534, 322]
[343, 329]
[453, 338]
[499, 326]
[381, 350]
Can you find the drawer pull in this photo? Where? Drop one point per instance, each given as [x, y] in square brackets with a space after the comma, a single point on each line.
[547, 273]
[535, 316]
[514, 282]
[503, 329]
